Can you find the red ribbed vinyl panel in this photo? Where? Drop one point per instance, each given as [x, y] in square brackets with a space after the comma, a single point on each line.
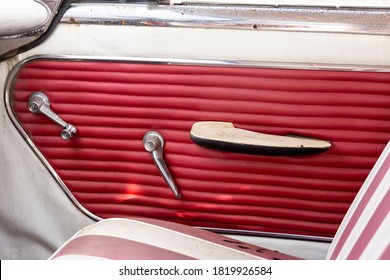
[114, 104]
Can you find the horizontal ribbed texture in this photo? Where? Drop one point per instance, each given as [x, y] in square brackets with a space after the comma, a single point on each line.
[114, 104]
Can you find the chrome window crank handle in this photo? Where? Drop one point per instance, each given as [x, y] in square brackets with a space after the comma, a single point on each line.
[154, 143]
[38, 102]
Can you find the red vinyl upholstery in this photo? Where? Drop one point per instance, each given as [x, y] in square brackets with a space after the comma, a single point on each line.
[114, 104]
[363, 233]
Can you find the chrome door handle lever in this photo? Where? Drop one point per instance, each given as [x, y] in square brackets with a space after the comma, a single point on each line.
[154, 143]
[38, 102]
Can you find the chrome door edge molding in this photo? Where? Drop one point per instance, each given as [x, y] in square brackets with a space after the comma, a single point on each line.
[300, 66]
[307, 19]
[56, 177]
[208, 62]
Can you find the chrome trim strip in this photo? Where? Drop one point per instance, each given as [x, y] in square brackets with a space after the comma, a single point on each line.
[211, 62]
[308, 19]
[300, 66]
[311, 3]
[271, 235]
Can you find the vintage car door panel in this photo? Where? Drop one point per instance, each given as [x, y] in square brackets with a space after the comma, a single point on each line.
[118, 71]
[114, 104]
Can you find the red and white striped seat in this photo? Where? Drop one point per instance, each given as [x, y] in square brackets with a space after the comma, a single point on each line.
[365, 230]
[141, 239]
[363, 234]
